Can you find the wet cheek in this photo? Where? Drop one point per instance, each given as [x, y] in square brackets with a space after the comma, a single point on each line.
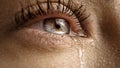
[31, 58]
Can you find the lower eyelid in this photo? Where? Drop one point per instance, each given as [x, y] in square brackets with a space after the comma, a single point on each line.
[44, 40]
[41, 39]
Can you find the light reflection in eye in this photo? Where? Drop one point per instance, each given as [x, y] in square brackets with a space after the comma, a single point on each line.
[56, 25]
[70, 16]
[50, 24]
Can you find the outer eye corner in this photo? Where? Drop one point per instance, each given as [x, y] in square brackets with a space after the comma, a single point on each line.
[56, 24]
[54, 29]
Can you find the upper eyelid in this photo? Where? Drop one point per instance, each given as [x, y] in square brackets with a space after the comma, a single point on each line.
[69, 5]
[64, 3]
[61, 2]
[76, 10]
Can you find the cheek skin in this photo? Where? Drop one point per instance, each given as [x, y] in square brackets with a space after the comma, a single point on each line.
[43, 40]
[19, 56]
[105, 53]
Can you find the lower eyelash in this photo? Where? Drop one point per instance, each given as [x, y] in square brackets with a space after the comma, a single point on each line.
[38, 9]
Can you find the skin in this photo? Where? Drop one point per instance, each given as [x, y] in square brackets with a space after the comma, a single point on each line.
[101, 50]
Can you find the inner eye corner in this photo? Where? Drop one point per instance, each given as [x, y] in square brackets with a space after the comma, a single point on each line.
[66, 12]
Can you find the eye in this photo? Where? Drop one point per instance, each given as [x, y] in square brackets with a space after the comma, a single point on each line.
[56, 26]
[51, 24]
[57, 18]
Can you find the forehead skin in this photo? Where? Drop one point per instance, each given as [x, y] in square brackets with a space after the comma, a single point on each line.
[105, 53]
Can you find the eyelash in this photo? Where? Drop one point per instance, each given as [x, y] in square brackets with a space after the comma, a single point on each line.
[29, 13]
[22, 15]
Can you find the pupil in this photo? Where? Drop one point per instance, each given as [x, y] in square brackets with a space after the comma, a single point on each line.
[57, 26]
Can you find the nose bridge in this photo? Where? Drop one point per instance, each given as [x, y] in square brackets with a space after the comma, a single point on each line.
[109, 23]
[110, 32]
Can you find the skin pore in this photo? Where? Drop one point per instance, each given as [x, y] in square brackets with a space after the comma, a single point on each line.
[100, 50]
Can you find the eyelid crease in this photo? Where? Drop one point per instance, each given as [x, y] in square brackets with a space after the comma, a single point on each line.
[29, 13]
[26, 11]
[68, 18]
[31, 35]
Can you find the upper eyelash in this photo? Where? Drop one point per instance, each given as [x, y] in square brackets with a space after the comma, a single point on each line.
[23, 16]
